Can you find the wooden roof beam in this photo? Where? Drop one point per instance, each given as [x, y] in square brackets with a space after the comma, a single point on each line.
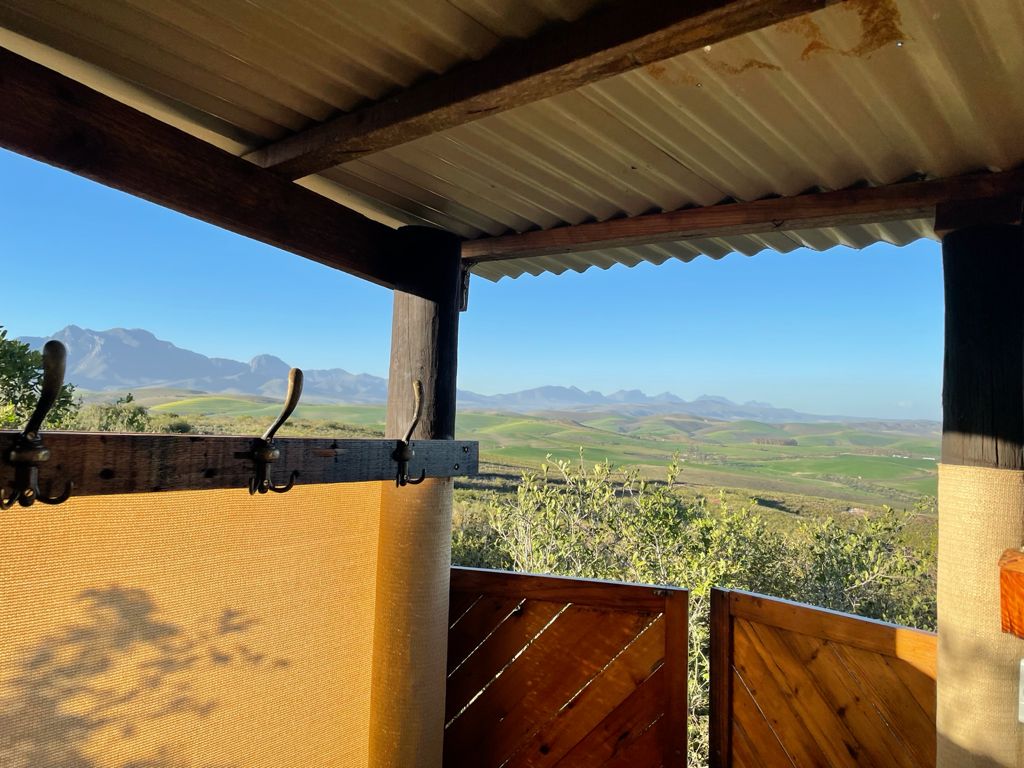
[861, 205]
[59, 121]
[609, 41]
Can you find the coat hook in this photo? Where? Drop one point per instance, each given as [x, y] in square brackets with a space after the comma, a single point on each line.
[28, 451]
[264, 453]
[403, 452]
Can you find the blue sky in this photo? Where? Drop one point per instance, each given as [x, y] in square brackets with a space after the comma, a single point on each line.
[840, 332]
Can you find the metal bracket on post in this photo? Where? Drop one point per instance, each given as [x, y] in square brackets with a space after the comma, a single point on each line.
[29, 452]
[264, 452]
[403, 452]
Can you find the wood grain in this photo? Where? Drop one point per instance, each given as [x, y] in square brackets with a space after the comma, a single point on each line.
[609, 41]
[581, 673]
[56, 120]
[425, 333]
[814, 687]
[861, 205]
[673, 726]
[589, 592]
[982, 407]
[914, 646]
[720, 729]
[621, 728]
[564, 646]
[586, 711]
[514, 634]
[107, 463]
[476, 625]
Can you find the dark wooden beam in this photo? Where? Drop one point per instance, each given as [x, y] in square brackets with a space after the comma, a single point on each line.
[861, 205]
[425, 334]
[609, 41]
[59, 121]
[983, 381]
[104, 463]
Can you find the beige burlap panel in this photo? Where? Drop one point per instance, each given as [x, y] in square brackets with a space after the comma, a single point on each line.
[981, 513]
[411, 631]
[189, 630]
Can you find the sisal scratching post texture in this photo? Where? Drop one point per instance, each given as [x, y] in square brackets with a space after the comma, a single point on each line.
[981, 513]
[411, 630]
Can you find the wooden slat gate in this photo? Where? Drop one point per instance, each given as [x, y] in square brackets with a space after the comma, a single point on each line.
[794, 685]
[546, 671]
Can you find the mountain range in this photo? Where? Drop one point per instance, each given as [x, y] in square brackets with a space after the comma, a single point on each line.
[131, 359]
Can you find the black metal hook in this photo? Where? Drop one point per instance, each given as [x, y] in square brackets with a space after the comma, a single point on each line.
[403, 452]
[28, 451]
[264, 453]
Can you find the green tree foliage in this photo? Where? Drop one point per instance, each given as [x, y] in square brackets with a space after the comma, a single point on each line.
[591, 522]
[21, 375]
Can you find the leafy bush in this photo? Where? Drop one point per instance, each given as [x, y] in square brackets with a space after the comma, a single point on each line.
[123, 415]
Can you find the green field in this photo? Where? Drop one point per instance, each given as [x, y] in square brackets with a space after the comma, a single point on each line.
[854, 465]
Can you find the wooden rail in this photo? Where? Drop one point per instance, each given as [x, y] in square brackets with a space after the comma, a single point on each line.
[546, 671]
[796, 685]
[106, 462]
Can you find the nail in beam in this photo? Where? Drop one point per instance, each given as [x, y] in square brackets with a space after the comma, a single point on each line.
[981, 481]
[414, 545]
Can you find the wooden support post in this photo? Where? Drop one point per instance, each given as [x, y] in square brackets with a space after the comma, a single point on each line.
[414, 543]
[425, 332]
[981, 482]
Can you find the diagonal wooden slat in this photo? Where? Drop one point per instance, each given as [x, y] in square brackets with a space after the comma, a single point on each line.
[578, 645]
[458, 604]
[646, 750]
[754, 743]
[582, 672]
[476, 625]
[511, 637]
[831, 734]
[895, 702]
[774, 701]
[621, 727]
[920, 685]
[878, 745]
[813, 687]
[585, 712]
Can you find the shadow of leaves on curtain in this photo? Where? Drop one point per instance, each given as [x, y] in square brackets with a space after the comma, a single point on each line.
[112, 674]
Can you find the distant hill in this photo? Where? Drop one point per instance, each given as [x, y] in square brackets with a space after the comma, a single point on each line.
[132, 359]
[121, 359]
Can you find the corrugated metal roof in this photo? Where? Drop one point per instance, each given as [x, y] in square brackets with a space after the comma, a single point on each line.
[870, 91]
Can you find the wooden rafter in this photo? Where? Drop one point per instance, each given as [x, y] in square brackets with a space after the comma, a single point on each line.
[861, 205]
[59, 121]
[609, 41]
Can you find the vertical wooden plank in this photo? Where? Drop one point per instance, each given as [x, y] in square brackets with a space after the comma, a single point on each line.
[674, 724]
[721, 678]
